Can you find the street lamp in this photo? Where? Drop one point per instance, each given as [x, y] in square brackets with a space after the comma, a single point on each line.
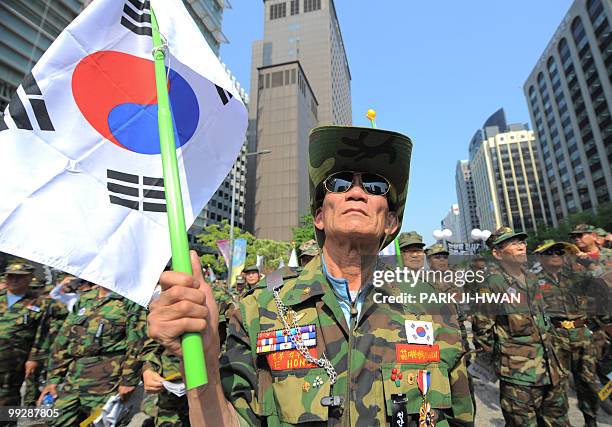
[233, 210]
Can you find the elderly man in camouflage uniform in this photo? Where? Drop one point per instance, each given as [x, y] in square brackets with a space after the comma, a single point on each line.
[562, 291]
[411, 247]
[23, 323]
[317, 348]
[251, 275]
[95, 354]
[532, 389]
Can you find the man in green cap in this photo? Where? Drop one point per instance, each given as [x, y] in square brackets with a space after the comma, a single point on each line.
[411, 247]
[308, 251]
[561, 291]
[317, 348]
[532, 387]
[593, 258]
[23, 323]
[251, 275]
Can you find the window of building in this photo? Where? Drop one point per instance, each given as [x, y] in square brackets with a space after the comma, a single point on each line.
[295, 7]
[277, 79]
[267, 80]
[278, 10]
[310, 5]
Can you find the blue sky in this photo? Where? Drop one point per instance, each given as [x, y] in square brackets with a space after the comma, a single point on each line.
[434, 70]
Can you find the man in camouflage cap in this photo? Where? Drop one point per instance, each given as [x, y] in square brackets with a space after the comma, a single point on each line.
[562, 292]
[251, 275]
[350, 360]
[411, 247]
[23, 324]
[308, 251]
[518, 335]
[593, 258]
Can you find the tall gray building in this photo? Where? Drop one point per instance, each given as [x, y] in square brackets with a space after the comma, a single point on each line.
[569, 94]
[506, 176]
[299, 78]
[466, 200]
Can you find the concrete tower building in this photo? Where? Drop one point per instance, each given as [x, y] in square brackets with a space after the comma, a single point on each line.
[569, 94]
[506, 177]
[468, 214]
[300, 78]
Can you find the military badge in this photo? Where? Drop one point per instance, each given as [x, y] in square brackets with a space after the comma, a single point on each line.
[278, 340]
[425, 413]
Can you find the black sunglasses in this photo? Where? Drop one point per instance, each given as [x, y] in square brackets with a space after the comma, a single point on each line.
[559, 252]
[372, 184]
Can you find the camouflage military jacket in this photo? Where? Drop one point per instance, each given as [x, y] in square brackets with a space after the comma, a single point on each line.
[280, 388]
[155, 357]
[22, 331]
[563, 296]
[518, 334]
[98, 344]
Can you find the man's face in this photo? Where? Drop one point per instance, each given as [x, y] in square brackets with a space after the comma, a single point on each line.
[512, 251]
[18, 284]
[480, 264]
[413, 257]
[584, 241]
[552, 258]
[355, 216]
[251, 277]
[438, 262]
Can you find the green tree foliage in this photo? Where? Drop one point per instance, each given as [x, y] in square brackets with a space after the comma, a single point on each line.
[305, 231]
[271, 250]
[603, 219]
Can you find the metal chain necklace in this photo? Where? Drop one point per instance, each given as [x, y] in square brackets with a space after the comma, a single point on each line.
[296, 339]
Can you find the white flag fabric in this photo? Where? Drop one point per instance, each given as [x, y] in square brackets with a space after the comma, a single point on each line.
[293, 259]
[79, 147]
[388, 250]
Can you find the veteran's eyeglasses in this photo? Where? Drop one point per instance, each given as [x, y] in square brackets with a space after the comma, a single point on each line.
[372, 184]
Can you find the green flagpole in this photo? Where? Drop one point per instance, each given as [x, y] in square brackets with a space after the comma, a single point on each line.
[371, 115]
[191, 343]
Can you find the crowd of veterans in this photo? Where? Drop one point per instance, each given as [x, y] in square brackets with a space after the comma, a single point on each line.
[308, 345]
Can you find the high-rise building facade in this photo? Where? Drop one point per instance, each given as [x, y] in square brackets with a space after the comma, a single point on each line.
[301, 38]
[506, 178]
[468, 214]
[569, 94]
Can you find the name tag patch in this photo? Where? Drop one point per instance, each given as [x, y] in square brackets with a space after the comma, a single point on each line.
[416, 353]
[34, 308]
[290, 359]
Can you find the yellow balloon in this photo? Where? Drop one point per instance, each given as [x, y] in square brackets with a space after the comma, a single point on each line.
[371, 114]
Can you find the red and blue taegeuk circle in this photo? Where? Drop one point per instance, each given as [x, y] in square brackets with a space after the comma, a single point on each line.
[116, 94]
[420, 331]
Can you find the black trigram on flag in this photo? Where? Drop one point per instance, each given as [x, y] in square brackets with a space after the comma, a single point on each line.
[27, 108]
[130, 190]
[137, 17]
[224, 95]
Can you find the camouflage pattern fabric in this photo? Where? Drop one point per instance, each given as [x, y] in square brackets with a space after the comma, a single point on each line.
[364, 355]
[56, 314]
[22, 328]
[573, 345]
[171, 411]
[226, 300]
[520, 340]
[96, 350]
[76, 407]
[334, 149]
[527, 406]
[410, 238]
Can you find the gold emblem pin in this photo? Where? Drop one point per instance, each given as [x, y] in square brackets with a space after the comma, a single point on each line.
[306, 387]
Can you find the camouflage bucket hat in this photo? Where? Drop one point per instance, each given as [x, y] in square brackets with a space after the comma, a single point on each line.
[250, 268]
[550, 244]
[436, 249]
[309, 248]
[19, 268]
[410, 238]
[601, 232]
[343, 148]
[583, 228]
[502, 234]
